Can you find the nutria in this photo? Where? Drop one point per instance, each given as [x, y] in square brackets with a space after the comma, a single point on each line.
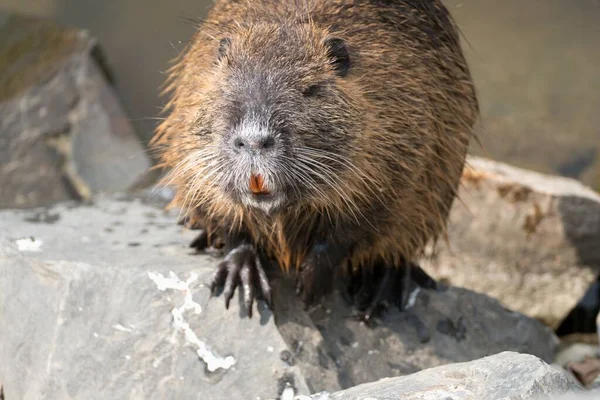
[325, 134]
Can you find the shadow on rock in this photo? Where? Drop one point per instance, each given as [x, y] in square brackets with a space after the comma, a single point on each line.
[335, 350]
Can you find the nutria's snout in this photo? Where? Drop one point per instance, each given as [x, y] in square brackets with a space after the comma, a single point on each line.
[252, 139]
[254, 146]
[255, 154]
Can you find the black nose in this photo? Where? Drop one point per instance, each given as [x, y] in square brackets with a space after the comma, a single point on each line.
[242, 144]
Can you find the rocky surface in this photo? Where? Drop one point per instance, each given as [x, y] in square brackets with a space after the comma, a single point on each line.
[442, 327]
[63, 133]
[95, 306]
[527, 239]
[106, 300]
[505, 376]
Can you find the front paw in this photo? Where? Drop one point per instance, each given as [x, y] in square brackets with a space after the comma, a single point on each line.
[242, 265]
[373, 288]
[205, 241]
[315, 280]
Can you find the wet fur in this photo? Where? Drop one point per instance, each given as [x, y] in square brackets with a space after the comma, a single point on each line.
[409, 111]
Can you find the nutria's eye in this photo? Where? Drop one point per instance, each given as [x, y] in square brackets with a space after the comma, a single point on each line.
[338, 52]
[223, 47]
[311, 90]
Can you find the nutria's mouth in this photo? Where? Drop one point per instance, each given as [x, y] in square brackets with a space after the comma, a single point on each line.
[257, 186]
[258, 195]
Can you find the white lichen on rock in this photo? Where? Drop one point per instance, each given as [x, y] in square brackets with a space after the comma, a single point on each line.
[29, 244]
[288, 393]
[121, 328]
[210, 357]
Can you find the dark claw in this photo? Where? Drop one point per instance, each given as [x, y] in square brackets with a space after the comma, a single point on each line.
[421, 278]
[263, 282]
[218, 278]
[304, 294]
[383, 291]
[299, 286]
[362, 298]
[247, 286]
[232, 281]
[242, 267]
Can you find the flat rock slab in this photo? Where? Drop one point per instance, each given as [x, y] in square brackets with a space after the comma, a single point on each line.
[530, 240]
[107, 301]
[63, 132]
[95, 307]
[506, 376]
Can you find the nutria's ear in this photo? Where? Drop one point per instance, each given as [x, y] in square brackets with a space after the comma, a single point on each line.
[337, 50]
[223, 47]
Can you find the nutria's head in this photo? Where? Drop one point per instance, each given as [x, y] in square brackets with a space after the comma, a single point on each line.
[270, 122]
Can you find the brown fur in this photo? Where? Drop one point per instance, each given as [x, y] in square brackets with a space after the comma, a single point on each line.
[412, 111]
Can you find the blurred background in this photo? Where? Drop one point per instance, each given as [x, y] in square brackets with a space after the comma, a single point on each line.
[536, 64]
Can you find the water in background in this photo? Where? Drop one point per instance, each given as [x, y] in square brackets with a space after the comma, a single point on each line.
[536, 64]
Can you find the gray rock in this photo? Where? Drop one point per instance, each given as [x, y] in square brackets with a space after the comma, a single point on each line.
[87, 312]
[527, 239]
[63, 133]
[505, 376]
[450, 325]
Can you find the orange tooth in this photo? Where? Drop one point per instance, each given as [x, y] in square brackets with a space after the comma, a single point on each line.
[257, 184]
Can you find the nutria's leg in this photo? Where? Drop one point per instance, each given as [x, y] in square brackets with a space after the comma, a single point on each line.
[200, 243]
[316, 276]
[241, 267]
[380, 284]
[384, 290]
[204, 240]
[420, 277]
